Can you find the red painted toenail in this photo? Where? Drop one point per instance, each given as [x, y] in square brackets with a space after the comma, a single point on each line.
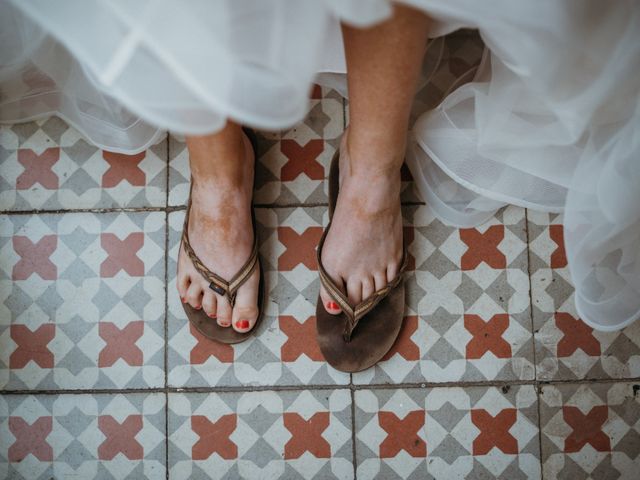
[198, 307]
[242, 324]
[184, 300]
[332, 306]
[212, 315]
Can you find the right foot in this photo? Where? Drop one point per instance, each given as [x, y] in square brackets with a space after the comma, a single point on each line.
[221, 235]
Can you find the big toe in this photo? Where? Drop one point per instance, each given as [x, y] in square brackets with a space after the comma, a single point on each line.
[330, 305]
[245, 310]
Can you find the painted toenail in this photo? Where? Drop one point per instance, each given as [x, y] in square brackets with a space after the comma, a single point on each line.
[213, 315]
[242, 324]
[184, 300]
[198, 307]
[332, 306]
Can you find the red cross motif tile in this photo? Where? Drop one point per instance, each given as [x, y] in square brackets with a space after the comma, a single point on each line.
[82, 436]
[467, 316]
[291, 165]
[475, 432]
[590, 430]
[566, 347]
[82, 300]
[283, 350]
[266, 434]
[48, 165]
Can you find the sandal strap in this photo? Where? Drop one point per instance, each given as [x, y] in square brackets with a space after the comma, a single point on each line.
[227, 288]
[354, 314]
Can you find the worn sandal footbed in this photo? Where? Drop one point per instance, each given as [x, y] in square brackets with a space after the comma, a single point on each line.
[228, 288]
[359, 336]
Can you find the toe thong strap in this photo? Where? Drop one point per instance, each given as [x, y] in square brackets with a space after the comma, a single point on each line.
[360, 310]
[228, 289]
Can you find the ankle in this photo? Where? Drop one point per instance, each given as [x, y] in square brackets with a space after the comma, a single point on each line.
[369, 195]
[221, 160]
[235, 180]
[219, 190]
[371, 157]
[223, 169]
[369, 166]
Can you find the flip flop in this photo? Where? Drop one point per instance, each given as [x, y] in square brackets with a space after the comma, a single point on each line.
[227, 288]
[359, 336]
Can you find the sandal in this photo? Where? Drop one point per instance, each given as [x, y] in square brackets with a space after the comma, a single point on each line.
[227, 288]
[359, 336]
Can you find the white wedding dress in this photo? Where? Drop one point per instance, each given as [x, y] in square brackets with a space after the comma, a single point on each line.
[550, 122]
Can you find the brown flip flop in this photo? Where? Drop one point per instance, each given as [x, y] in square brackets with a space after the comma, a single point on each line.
[227, 288]
[359, 336]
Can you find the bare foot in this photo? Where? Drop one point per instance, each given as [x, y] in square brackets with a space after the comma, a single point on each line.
[221, 234]
[363, 248]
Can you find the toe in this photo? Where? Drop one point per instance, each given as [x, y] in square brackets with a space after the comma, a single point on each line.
[182, 285]
[183, 280]
[209, 303]
[223, 312]
[194, 295]
[379, 280]
[330, 305]
[368, 287]
[354, 290]
[244, 318]
[392, 271]
[245, 311]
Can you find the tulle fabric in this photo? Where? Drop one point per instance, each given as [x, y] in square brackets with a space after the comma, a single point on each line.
[550, 121]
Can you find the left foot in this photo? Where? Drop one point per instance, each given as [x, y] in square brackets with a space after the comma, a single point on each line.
[363, 248]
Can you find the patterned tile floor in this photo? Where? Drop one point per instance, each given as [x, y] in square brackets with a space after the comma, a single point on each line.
[493, 376]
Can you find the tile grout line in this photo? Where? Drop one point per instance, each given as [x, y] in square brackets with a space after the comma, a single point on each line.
[167, 208]
[533, 340]
[538, 390]
[296, 388]
[84, 210]
[166, 315]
